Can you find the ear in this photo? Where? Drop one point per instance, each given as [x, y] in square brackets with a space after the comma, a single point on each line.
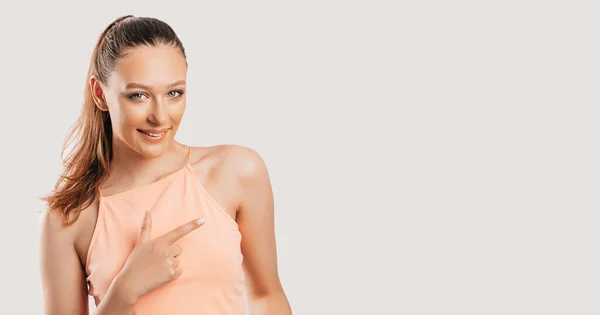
[98, 93]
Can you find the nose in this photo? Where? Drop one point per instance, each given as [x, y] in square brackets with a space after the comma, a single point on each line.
[158, 113]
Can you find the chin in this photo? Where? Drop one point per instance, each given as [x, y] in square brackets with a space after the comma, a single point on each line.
[153, 151]
[153, 148]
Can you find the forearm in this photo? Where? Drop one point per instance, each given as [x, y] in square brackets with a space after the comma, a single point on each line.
[117, 301]
[270, 304]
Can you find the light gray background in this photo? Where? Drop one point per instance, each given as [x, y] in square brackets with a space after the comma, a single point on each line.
[427, 157]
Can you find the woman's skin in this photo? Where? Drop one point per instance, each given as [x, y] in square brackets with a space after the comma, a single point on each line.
[235, 176]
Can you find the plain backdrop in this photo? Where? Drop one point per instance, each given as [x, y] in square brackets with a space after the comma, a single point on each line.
[426, 157]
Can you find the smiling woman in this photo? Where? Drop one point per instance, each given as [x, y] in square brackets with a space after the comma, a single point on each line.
[146, 94]
[143, 223]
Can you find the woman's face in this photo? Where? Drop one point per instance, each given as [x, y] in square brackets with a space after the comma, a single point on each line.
[146, 99]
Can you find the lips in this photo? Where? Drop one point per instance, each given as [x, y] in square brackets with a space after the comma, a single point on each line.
[154, 133]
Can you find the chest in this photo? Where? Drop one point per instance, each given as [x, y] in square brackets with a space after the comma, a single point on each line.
[211, 254]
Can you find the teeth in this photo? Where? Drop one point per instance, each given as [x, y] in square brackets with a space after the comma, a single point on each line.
[154, 135]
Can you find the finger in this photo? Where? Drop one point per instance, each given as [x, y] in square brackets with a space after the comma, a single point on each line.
[146, 226]
[175, 272]
[175, 250]
[181, 231]
[172, 262]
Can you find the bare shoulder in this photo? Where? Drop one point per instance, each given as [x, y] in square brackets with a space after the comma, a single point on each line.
[76, 235]
[229, 160]
[246, 165]
[227, 171]
[205, 159]
[52, 227]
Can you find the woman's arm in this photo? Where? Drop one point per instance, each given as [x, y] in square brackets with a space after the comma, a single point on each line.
[256, 222]
[63, 277]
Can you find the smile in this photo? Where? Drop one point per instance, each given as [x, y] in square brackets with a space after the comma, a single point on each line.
[154, 134]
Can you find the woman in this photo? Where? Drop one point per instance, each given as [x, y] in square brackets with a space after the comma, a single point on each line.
[142, 223]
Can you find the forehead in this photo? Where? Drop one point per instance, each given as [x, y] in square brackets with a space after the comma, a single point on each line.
[149, 65]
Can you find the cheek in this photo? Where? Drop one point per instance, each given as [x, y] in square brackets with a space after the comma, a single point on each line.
[133, 115]
[128, 117]
[176, 113]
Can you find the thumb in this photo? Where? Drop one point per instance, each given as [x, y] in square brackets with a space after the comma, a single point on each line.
[146, 227]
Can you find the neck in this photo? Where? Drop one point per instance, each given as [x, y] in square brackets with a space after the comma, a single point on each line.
[134, 168]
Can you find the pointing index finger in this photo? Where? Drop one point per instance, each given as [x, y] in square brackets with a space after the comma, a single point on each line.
[181, 231]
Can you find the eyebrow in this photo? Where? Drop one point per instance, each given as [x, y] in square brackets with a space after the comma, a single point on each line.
[141, 86]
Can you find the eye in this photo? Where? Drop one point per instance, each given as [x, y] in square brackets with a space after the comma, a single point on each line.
[176, 91]
[135, 97]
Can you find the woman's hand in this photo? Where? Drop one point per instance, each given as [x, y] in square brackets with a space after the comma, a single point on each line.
[153, 262]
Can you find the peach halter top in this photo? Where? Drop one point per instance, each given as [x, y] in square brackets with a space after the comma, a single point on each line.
[212, 281]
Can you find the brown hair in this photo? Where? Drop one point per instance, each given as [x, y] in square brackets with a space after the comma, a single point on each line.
[88, 163]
